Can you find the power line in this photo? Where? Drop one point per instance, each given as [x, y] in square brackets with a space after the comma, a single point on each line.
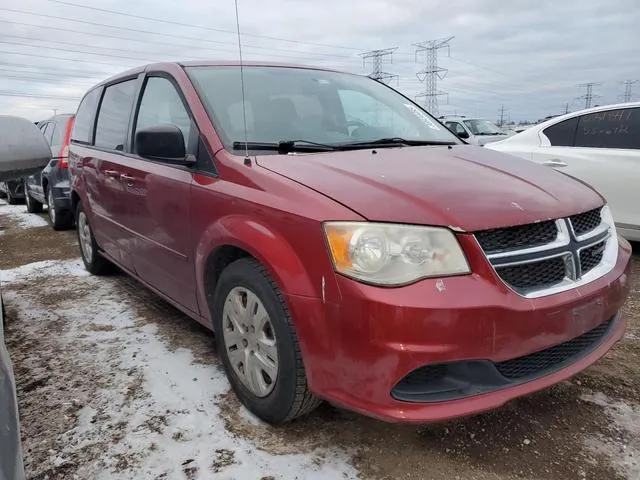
[377, 58]
[589, 95]
[163, 34]
[35, 95]
[432, 72]
[232, 32]
[628, 84]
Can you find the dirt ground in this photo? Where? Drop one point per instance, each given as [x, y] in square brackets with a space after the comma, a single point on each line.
[587, 428]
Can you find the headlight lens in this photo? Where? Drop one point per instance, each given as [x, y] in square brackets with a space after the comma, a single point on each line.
[389, 254]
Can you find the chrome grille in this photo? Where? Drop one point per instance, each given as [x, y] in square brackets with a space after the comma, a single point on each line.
[521, 236]
[548, 257]
[585, 222]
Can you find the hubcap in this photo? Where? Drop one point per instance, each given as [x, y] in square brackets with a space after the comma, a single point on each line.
[250, 341]
[84, 235]
[52, 210]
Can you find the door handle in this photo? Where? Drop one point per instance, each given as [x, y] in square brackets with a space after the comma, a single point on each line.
[129, 180]
[112, 173]
[554, 162]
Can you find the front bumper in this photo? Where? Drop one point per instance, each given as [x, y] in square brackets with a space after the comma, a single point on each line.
[375, 337]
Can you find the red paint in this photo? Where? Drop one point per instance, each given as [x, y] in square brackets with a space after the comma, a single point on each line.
[357, 340]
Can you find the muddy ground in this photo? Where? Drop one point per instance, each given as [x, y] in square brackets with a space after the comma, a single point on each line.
[579, 429]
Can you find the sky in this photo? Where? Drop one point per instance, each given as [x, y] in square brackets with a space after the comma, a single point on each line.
[527, 56]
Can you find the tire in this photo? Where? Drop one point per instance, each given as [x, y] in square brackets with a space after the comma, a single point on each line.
[289, 396]
[93, 261]
[60, 219]
[11, 200]
[33, 206]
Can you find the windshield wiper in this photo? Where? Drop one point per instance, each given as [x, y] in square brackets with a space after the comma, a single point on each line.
[393, 142]
[286, 146]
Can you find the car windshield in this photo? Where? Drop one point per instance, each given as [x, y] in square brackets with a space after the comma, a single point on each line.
[483, 127]
[295, 104]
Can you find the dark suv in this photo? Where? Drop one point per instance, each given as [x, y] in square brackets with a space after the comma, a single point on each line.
[51, 186]
[341, 242]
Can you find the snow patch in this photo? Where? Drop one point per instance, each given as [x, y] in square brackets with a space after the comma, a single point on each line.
[19, 214]
[46, 268]
[625, 452]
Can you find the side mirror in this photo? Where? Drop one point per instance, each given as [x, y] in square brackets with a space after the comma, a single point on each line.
[163, 142]
[23, 149]
[462, 134]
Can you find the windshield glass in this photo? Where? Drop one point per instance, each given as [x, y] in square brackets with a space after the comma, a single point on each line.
[483, 127]
[330, 108]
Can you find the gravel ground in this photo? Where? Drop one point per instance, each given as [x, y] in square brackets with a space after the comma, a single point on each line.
[114, 383]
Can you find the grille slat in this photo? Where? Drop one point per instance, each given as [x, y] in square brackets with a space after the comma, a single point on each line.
[585, 222]
[554, 357]
[519, 237]
[528, 276]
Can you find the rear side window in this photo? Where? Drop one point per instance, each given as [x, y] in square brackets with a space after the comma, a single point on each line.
[58, 133]
[48, 131]
[610, 129]
[562, 134]
[113, 115]
[84, 117]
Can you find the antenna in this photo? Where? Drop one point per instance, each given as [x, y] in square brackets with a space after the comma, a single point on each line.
[244, 110]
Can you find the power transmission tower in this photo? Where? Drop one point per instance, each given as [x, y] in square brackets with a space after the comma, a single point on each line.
[502, 112]
[377, 59]
[432, 72]
[589, 95]
[628, 84]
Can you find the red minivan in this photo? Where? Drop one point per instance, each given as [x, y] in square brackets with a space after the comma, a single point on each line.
[342, 243]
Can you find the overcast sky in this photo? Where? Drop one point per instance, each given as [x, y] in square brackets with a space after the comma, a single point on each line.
[527, 55]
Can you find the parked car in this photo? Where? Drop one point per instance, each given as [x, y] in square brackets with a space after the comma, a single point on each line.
[13, 191]
[600, 146]
[51, 186]
[386, 267]
[476, 131]
[23, 150]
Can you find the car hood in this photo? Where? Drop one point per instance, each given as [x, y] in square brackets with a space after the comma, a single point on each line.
[464, 187]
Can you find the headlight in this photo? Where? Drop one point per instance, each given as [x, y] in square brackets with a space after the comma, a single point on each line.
[389, 254]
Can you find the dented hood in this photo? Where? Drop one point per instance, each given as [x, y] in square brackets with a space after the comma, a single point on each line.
[464, 187]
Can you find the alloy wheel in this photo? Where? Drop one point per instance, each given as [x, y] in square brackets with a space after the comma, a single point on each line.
[84, 234]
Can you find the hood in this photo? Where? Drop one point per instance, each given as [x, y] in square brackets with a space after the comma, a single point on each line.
[463, 187]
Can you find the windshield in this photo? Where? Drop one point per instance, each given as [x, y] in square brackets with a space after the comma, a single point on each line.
[329, 108]
[483, 127]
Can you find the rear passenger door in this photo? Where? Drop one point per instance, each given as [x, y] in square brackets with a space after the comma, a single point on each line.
[158, 193]
[107, 169]
[602, 149]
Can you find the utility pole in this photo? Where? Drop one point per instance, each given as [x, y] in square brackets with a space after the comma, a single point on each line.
[55, 112]
[628, 84]
[589, 95]
[501, 119]
[566, 108]
[377, 58]
[432, 72]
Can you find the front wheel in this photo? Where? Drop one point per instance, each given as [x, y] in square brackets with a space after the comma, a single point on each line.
[258, 346]
[93, 261]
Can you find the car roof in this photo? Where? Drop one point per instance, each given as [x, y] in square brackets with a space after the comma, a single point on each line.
[205, 63]
[578, 113]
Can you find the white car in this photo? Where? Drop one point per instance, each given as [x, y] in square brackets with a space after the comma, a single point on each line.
[600, 146]
[476, 131]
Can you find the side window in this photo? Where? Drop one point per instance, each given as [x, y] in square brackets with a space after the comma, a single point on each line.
[58, 133]
[113, 115]
[48, 131]
[562, 134]
[457, 128]
[83, 126]
[161, 103]
[610, 129]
